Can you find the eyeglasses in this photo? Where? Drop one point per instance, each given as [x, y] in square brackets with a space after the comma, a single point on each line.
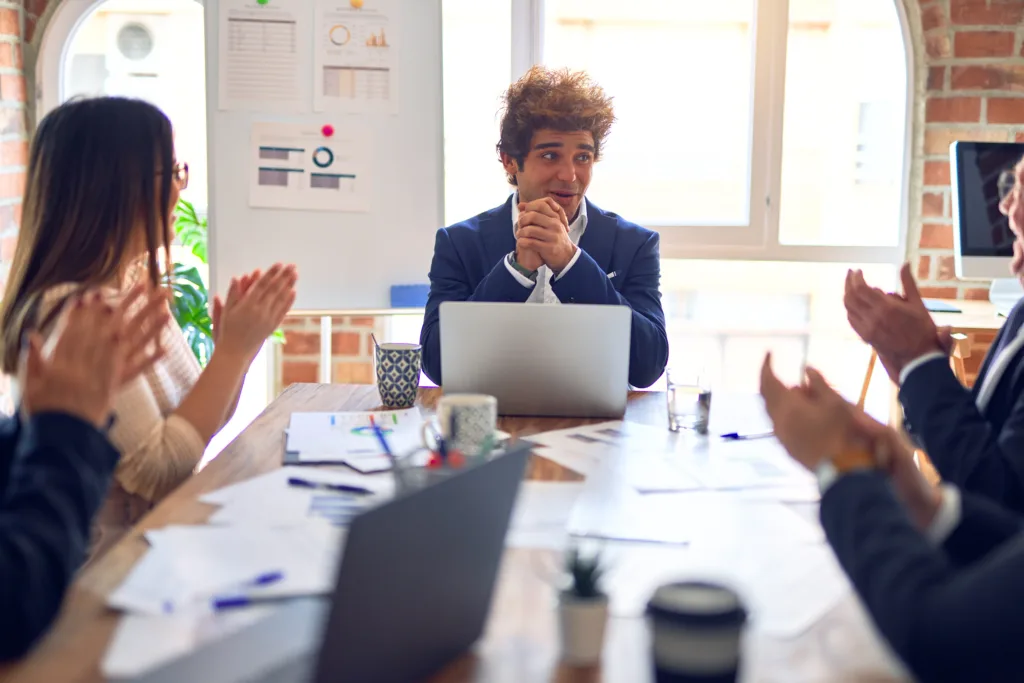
[1006, 182]
[180, 173]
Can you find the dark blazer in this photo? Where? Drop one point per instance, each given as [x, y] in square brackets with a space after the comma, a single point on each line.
[54, 474]
[950, 613]
[468, 265]
[979, 451]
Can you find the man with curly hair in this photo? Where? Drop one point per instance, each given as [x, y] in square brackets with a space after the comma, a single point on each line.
[548, 243]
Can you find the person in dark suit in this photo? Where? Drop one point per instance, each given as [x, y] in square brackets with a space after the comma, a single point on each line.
[974, 437]
[940, 570]
[55, 460]
[548, 243]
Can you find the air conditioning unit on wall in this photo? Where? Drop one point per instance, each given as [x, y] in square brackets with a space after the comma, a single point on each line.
[137, 44]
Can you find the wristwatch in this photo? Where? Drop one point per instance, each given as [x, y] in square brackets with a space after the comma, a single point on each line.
[526, 272]
[850, 459]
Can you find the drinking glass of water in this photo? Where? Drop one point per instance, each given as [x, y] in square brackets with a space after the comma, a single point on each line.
[689, 400]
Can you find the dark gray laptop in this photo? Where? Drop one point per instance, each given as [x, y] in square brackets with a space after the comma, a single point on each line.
[413, 592]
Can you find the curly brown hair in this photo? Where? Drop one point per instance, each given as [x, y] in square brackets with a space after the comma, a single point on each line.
[559, 99]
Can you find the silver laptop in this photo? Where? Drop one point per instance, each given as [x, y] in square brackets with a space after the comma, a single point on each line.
[413, 592]
[538, 359]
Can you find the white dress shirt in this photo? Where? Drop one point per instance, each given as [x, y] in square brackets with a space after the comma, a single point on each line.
[995, 372]
[542, 292]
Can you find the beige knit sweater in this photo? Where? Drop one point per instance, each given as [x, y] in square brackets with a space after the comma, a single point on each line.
[159, 450]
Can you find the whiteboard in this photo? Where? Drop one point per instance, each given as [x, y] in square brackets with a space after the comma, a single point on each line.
[347, 259]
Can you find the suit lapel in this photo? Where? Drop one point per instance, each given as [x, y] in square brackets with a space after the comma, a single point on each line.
[986, 362]
[496, 233]
[599, 238]
[998, 367]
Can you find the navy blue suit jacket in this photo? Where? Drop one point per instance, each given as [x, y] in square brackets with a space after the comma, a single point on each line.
[54, 474]
[468, 265]
[979, 451]
[951, 613]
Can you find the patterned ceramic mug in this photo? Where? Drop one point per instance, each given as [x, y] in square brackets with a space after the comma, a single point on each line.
[464, 421]
[398, 374]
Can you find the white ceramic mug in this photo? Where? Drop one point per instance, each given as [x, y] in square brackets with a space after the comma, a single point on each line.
[464, 421]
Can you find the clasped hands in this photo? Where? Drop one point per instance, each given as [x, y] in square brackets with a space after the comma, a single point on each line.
[898, 327]
[814, 423]
[542, 236]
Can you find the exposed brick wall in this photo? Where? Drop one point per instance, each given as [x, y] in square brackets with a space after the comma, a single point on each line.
[351, 350]
[974, 90]
[13, 138]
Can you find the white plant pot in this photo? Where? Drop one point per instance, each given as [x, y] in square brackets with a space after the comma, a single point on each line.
[582, 623]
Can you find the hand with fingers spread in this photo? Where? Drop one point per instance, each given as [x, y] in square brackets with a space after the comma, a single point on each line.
[99, 348]
[899, 328]
[543, 232]
[254, 307]
[813, 422]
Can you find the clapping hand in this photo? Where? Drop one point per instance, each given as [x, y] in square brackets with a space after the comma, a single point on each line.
[254, 307]
[899, 328]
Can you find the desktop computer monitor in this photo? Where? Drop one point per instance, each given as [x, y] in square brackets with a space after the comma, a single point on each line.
[982, 241]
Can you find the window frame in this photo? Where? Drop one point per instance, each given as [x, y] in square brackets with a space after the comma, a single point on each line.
[759, 240]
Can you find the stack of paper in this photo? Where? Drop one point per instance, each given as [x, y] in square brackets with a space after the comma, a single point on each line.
[350, 438]
[188, 568]
[269, 500]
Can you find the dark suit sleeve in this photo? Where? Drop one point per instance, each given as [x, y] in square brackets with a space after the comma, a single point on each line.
[9, 431]
[962, 444]
[983, 526]
[947, 623]
[449, 281]
[60, 473]
[587, 283]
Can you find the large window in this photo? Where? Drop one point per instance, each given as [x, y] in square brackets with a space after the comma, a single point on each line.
[765, 141]
[766, 130]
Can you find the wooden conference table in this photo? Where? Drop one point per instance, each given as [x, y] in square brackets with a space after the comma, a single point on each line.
[521, 640]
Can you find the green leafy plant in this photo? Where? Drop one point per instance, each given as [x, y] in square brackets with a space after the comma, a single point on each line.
[585, 574]
[191, 302]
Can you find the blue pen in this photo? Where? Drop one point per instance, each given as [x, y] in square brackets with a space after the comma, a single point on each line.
[383, 442]
[343, 488]
[224, 602]
[736, 436]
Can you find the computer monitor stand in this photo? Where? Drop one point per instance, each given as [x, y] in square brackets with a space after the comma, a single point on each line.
[1004, 293]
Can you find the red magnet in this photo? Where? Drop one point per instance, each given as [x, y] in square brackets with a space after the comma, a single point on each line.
[327, 130]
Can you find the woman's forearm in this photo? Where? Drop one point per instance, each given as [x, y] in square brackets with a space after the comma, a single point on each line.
[212, 399]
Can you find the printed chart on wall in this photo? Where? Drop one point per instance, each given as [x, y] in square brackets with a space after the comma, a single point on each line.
[259, 54]
[356, 56]
[316, 167]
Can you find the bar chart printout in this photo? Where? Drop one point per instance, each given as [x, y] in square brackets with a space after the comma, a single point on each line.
[356, 57]
[259, 54]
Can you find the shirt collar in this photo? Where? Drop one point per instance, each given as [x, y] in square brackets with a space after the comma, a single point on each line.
[579, 225]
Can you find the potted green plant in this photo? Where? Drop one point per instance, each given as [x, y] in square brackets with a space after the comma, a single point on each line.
[583, 609]
[191, 302]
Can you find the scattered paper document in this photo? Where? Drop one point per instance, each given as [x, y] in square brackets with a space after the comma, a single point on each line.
[259, 44]
[340, 437]
[356, 56]
[540, 518]
[269, 500]
[310, 166]
[188, 566]
[785, 587]
[142, 643]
